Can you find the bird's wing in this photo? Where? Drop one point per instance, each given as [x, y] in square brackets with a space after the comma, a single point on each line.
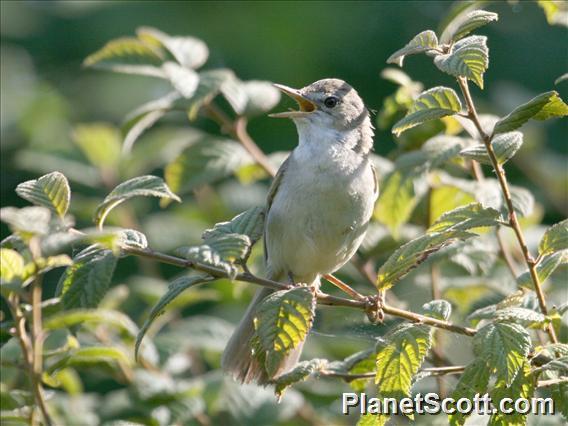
[376, 176]
[271, 194]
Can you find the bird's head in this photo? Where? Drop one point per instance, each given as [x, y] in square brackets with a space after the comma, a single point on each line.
[330, 103]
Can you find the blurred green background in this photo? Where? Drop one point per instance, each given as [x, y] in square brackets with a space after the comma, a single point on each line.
[46, 93]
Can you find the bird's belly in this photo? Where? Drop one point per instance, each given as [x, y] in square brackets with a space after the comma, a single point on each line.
[315, 226]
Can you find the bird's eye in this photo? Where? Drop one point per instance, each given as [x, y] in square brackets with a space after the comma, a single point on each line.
[331, 101]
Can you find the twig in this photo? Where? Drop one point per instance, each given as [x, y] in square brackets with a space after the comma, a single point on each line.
[344, 287]
[323, 298]
[513, 220]
[552, 382]
[435, 371]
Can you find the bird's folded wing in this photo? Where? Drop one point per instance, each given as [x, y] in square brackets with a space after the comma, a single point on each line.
[270, 198]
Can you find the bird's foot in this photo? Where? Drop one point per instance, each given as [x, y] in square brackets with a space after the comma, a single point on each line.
[374, 307]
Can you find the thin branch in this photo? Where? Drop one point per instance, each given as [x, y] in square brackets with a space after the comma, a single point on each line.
[513, 220]
[435, 371]
[344, 287]
[552, 382]
[323, 298]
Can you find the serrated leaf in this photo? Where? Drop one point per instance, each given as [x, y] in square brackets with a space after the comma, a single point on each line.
[210, 85]
[51, 191]
[368, 419]
[465, 23]
[141, 186]
[89, 356]
[544, 269]
[175, 288]
[11, 268]
[73, 317]
[504, 346]
[523, 316]
[261, 97]
[42, 265]
[542, 107]
[190, 52]
[504, 146]
[205, 161]
[127, 55]
[521, 387]
[468, 58]
[282, 322]
[422, 42]
[184, 80]
[249, 222]
[84, 283]
[554, 239]
[399, 356]
[474, 380]
[463, 218]
[559, 393]
[132, 238]
[27, 221]
[439, 309]
[411, 254]
[523, 200]
[434, 103]
[100, 142]
[300, 373]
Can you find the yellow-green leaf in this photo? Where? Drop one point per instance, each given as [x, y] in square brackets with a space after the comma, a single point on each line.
[474, 380]
[11, 267]
[51, 191]
[468, 58]
[422, 42]
[463, 218]
[465, 23]
[554, 239]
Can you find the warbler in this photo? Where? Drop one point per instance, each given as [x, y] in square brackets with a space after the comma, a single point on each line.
[318, 207]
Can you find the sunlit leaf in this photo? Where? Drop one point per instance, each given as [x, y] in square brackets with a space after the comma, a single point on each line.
[522, 386]
[468, 58]
[504, 145]
[89, 356]
[282, 322]
[132, 238]
[554, 239]
[556, 12]
[250, 223]
[11, 267]
[73, 317]
[544, 269]
[100, 142]
[523, 316]
[465, 23]
[85, 282]
[184, 80]
[51, 191]
[261, 96]
[141, 186]
[26, 221]
[439, 309]
[301, 372]
[174, 289]
[422, 42]
[542, 107]
[463, 218]
[474, 380]
[434, 103]
[210, 85]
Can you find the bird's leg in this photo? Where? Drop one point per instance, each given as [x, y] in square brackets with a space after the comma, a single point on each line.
[374, 307]
[291, 278]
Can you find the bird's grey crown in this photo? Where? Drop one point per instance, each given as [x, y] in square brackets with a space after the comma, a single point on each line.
[349, 114]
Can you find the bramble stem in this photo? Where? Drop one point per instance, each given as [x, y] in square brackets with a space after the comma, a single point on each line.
[513, 220]
[344, 287]
[323, 298]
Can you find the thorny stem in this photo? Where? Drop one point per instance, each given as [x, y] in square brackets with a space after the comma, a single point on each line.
[513, 220]
[323, 298]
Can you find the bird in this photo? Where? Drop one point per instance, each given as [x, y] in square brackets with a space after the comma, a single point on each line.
[318, 206]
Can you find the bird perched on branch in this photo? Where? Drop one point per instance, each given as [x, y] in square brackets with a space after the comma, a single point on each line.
[319, 205]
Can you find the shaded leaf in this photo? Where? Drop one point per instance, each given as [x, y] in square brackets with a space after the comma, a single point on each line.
[434, 103]
[521, 387]
[523, 200]
[562, 78]
[84, 283]
[249, 223]
[141, 186]
[190, 52]
[210, 85]
[51, 191]
[474, 380]
[411, 254]
[301, 372]
[132, 238]
[468, 58]
[282, 322]
[26, 221]
[554, 239]
[127, 55]
[465, 23]
[100, 142]
[504, 346]
[261, 96]
[463, 218]
[523, 316]
[542, 107]
[504, 145]
[89, 356]
[422, 42]
[184, 80]
[544, 269]
[73, 317]
[439, 309]
[175, 288]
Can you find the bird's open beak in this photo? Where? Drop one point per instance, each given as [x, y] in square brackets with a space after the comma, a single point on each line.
[306, 106]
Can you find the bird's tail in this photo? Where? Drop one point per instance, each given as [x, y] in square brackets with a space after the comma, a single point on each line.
[238, 359]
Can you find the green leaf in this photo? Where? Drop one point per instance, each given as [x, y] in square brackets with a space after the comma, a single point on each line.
[249, 223]
[27, 221]
[521, 387]
[282, 322]
[562, 78]
[556, 13]
[184, 80]
[554, 239]
[11, 268]
[559, 393]
[463, 218]
[504, 145]
[523, 316]
[210, 85]
[141, 186]
[205, 161]
[100, 142]
[422, 42]
[474, 380]
[411, 254]
[51, 191]
[523, 200]
[74, 317]
[399, 357]
[544, 269]
[190, 52]
[45, 264]
[542, 107]
[300, 373]
[372, 420]
[89, 356]
[504, 346]
[261, 96]
[465, 23]
[85, 282]
[132, 238]
[175, 288]
[127, 55]
[439, 309]
[435, 103]
[468, 58]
